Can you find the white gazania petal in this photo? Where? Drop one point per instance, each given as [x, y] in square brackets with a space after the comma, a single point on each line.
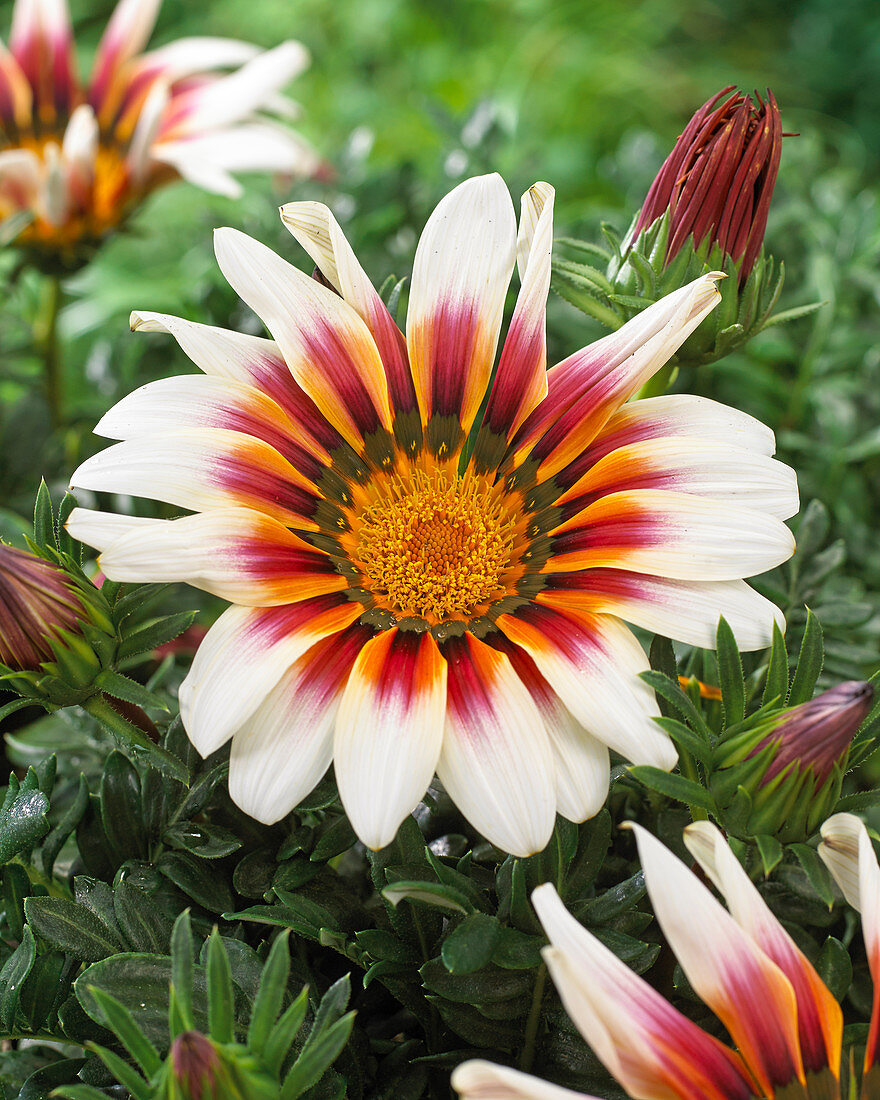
[582, 766]
[187, 56]
[243, 656]
[128, 30]
[593, 663]
[102, 529]
[236, 96]
[478, 1080]
[284, 748]
[235, 553]
[257, 147]
[847, 852]
[219, 351]
[79, 146]
[140, 149]
[535, 204]
[707, 469]
[687, 611]
[496, 762]
[326, 345]
[389, 731]
[210, 468]
[54, 194]
[682, 414]
[671, 534]
[461, 273]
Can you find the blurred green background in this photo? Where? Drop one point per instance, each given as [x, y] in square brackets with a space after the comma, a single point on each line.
[405, 97]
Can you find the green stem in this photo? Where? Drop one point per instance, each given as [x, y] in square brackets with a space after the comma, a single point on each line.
[46, 334]
[529, 1042]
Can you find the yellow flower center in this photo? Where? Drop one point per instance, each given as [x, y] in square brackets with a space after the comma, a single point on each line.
[435, 545]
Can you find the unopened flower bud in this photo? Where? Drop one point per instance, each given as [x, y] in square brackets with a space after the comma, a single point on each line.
[718, 180]
[37, 605]
[202, 1069]
[783, 776]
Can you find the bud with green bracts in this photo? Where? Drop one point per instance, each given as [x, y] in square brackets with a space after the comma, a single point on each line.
[56, 629]
[782, 776]
[200, 1069]
[706, 211]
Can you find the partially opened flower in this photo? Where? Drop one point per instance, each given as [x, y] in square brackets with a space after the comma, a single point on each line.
[406, 604]
[785, 1024]
[79, 156]
[849, 855]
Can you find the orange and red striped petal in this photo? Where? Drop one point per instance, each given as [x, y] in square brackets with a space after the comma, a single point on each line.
[461, 273]
[254, 362]
[820, 1021]
[677, 535]
[653, 1050]
[672, 416]
[389, 731]
[714, 469]
[16, 94]
[593, 663]
[520, 382]
[496, 763]
[742, 985]
[244, 655]
[212, 468]
[126, 34]
[235, 553]
[316, 229]
[285, 747]
[326, 345]
[588, 387]
[687, 611]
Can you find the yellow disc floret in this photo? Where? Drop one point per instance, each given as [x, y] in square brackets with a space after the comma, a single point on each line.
[435, 545]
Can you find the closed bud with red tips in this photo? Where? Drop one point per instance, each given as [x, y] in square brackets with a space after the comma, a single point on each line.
[37, 605]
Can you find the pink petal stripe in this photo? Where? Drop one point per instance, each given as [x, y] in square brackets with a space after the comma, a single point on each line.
[42, 42]
[389, 731]
[521, 379]
[586, 389]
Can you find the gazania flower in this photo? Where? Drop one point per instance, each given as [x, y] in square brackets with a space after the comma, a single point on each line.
[784, 1022]
[79, 156]
[849, 855]
[404, 603]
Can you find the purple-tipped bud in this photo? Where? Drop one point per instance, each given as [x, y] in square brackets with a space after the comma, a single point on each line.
[783, 776]
[36, 605]
[719, 178]
[196, 1066]
[817, 733]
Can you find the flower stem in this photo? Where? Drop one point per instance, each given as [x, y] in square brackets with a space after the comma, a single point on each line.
[46, 334]
[528, 1051]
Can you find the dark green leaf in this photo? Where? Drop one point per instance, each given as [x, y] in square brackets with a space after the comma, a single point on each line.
[730, 674]
[71, 927]
[23, 823]
[150, 637]
[54, 842]
[12, 977]
[220, 993]
[144, 925]
[16, 887]
[122, 1024]
[835, 968]
[318, 1053]
[182, 966]
[427, 893]
[816, 871]
[673, 786]
[204, 841]
[469, 946]
[771, 852]
[44, 518]
[198, 880]
[121, 808]
[809, 663]
[776, 685]
[270, 995]
[39, 1085]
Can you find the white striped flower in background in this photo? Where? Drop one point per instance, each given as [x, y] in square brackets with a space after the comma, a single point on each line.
[418, 589]
[78, 156]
